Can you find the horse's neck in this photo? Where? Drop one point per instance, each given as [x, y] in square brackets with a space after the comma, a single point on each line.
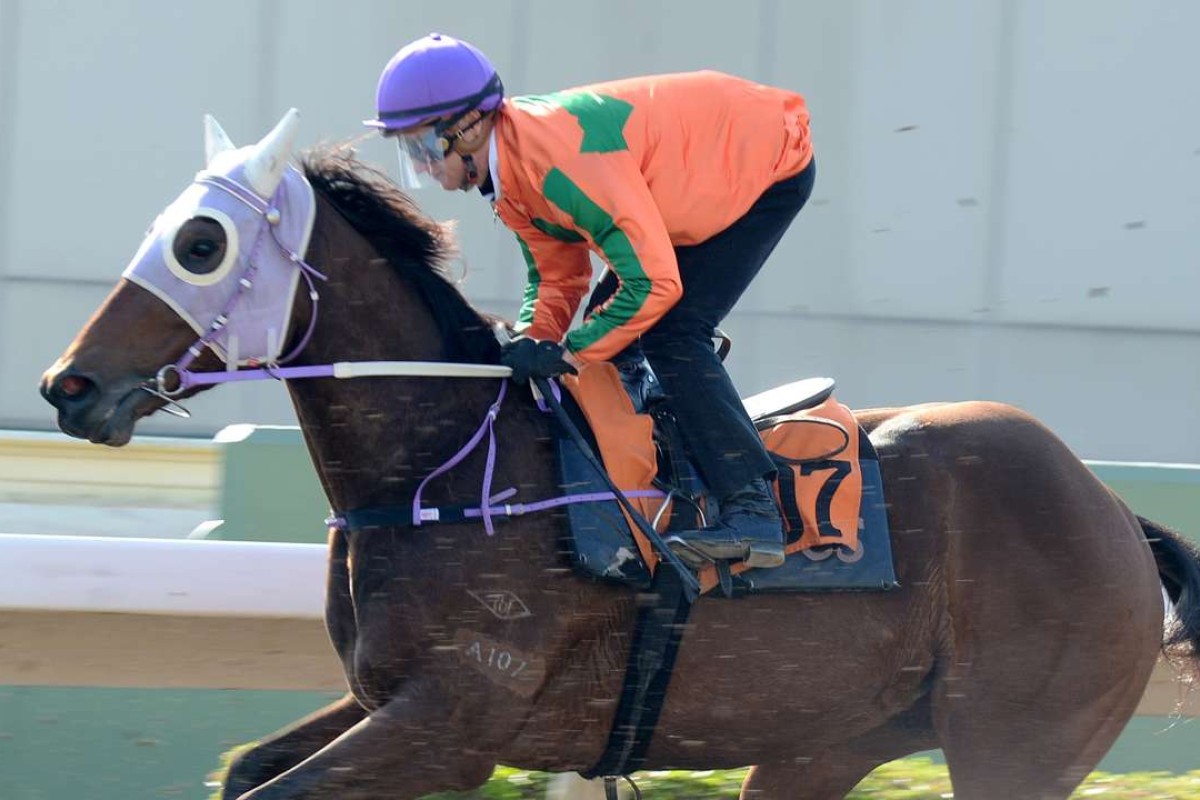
[373, 445]
[373, 439]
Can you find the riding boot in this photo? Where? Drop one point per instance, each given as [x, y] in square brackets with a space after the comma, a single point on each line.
[749, 529]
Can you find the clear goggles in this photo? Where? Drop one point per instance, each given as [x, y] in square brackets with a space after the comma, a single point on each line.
[422, 153]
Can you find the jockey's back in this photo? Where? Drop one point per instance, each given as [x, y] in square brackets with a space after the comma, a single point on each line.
[706, 144]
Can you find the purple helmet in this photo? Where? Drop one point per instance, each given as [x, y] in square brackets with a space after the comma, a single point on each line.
[434, 76]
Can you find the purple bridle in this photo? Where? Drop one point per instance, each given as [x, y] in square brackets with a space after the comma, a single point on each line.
[184, 378]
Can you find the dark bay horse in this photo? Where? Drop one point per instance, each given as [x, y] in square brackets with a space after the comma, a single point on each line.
[1028, 620]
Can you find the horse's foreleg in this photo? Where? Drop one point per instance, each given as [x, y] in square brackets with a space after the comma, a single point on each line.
[286, 748]
[415, 744]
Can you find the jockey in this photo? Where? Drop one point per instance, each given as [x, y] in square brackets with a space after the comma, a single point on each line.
[682, 184]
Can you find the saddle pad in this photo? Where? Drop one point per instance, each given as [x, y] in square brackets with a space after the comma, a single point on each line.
[869, 568]
[831, 496]
[819, 485]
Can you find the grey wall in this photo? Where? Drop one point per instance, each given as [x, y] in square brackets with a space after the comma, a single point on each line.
[1006, 205]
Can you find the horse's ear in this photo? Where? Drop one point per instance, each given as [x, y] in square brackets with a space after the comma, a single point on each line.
[216, 141]
[264, 169]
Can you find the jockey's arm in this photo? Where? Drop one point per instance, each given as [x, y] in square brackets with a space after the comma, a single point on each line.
[607, 201]
[558, 274]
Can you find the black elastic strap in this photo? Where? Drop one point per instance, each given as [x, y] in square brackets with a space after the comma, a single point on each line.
[610, 788]
[656, 639]
[724, 577]
[685, 516]
[399, 515]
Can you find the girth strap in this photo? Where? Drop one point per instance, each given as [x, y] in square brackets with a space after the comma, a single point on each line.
[656, 639]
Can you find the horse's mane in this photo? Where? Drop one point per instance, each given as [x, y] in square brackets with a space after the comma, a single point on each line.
[417, 246]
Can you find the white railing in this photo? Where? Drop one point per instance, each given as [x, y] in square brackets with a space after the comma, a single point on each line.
[202, 614]
[164, 613]
[161, 576]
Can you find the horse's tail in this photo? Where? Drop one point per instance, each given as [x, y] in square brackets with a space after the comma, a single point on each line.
[1179, 570]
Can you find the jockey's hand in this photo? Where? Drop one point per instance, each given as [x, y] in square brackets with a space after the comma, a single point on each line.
[533, 358]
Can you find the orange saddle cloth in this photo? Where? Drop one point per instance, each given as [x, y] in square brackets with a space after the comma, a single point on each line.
[819, 486]
[820, 483]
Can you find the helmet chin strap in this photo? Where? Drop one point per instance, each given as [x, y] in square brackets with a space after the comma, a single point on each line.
[472, 173]
[457, 144]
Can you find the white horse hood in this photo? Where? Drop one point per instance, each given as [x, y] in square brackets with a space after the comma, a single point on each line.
[266, 208]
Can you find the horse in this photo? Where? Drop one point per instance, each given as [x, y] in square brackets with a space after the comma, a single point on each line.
[1029, 616]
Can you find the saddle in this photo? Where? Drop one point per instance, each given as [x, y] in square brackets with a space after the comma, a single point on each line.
[828, 487]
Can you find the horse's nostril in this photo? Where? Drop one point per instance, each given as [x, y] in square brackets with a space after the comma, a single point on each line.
[73, 385]
[71, 388]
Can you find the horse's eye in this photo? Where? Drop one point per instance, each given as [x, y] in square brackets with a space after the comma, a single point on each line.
[200, 245]
[202, 248]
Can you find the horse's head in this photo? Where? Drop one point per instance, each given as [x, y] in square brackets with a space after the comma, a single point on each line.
[214, 280]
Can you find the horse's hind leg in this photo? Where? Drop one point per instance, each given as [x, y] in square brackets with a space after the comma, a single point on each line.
[1005, 743]
[288, 747]
[831, 774]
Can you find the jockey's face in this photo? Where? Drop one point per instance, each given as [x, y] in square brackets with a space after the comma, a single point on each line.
[427, 156]
[451, 172]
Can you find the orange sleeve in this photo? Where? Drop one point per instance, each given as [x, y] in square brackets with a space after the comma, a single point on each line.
[607, 200]
[558, 275]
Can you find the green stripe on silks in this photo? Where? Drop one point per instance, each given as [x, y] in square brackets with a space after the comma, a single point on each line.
[612, 241]
[532, 281]
[557, 231]
[601, 118]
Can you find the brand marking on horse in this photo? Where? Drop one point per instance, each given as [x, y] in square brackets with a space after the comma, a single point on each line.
[503, 604]
[501, 663]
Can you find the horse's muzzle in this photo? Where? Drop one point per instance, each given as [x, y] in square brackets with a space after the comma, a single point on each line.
[77, 398]
[69, 391]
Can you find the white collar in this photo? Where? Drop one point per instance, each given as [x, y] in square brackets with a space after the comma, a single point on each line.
[493, 167]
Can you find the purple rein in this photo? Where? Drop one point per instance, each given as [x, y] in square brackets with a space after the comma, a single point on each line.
[186, 379]
[487, 510]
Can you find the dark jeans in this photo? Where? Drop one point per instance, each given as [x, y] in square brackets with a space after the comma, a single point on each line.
[714, 423]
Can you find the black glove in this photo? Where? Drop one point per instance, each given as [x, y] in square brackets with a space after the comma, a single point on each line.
[531, 358]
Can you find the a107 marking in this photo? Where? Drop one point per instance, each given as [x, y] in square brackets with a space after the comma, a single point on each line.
[501, 663]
